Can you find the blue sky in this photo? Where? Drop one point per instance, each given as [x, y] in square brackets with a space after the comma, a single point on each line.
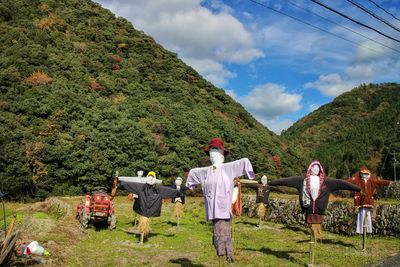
[279, 68]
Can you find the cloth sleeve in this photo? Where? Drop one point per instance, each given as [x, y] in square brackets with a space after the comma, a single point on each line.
[196, 176]
[380, 183]
[132, 187]
[276, 189]
[168, 192]
[238, 168]
[294, 181]
[252, 186]
[337, 184]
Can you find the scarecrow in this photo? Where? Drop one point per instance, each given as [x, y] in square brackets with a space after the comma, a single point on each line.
[236, 201]
[149, 201]
[314, 190]
[237, 197]
[217, 183]
[262, 196]
[179, 201]
[137, 179]
[364, 200]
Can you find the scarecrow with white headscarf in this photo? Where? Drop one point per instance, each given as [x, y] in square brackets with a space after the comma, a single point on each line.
[179, 201]
[217, 183]
[364, 200]
[149, 201]
[314, 191]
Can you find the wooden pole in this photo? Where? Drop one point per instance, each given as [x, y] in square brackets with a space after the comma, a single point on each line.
[364, 230]
[221, 261]
[312, 244]
[141, 238]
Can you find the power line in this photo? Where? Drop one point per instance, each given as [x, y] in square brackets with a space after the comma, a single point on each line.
[344, 27]
[373, 14]
[387, 12]
[355, 21]
[316, 27]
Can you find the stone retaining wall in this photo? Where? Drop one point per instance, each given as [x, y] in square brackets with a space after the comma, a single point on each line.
[340, 216]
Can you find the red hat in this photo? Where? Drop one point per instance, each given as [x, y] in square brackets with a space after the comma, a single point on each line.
[364, 169]
[216, 143]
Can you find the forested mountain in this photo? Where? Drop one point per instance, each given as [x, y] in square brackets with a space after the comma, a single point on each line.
[84, 94]
[360, 127]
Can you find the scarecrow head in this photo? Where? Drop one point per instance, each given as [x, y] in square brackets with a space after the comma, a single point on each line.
[216, 151]
[178, 181]
[264, 180]
[315, 168]
[365, 173]
[151, 178]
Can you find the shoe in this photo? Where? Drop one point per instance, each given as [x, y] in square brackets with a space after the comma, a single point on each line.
[229, 260]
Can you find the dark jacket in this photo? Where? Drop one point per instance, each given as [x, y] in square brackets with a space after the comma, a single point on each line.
[182, 191]
[365, 198]
[150, 197]
[328, 186]
[262, 191]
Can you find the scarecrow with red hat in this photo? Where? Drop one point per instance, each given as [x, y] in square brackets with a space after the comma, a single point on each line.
[364, 200]
[217, 183]
[314, 191]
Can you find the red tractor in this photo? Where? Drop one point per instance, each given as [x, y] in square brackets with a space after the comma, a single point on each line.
[97, 207]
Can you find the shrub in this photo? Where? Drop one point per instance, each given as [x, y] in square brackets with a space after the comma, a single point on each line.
[38, 78]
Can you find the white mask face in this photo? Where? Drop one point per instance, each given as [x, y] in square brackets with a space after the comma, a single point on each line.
[139, 173]
[216, 156]
[151, 180]
[365, 176]
[264, 180]
[178, 182]
[315, 169]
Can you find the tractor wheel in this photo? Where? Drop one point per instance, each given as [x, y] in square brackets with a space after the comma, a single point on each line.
[113, 221]
[84, 219]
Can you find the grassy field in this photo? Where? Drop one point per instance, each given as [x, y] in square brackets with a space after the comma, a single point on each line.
[186, 245]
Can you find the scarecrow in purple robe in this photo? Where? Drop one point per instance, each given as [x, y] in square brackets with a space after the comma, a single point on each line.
[217, 182]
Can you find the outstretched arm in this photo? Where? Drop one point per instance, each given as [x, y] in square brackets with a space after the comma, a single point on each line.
[196, 176]
[276, 189]
[168, 192]
[132, 187]
[294, 181]
[239, 168]
[337, 184]
[380, 183]
[254, 186]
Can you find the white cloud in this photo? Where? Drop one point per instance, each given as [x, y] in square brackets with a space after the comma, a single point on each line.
[277, 126]
[331, 85]
[192, 31]
[313, 107]
[211, 70]
[232, 94]
[270, 101]
[360, 72]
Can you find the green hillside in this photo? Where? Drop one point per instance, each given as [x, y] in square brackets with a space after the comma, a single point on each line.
[360, 127]
[84, 94]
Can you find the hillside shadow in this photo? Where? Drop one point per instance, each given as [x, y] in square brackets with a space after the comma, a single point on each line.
[281, 254]
[185, 262]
